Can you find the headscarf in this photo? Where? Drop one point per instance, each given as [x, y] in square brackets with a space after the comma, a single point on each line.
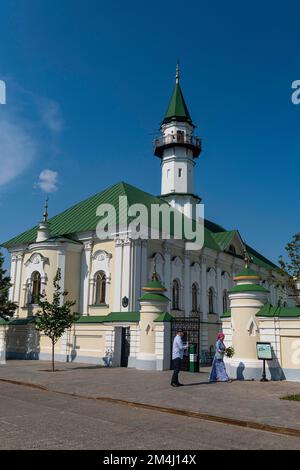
[220, 336]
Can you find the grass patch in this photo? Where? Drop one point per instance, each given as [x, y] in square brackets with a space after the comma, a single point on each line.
[292, 397]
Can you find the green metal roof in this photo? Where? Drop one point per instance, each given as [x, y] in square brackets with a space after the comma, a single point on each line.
[226, 314]
[282, 312]
[269, 311]
[177, 109]
[258, 259]
[111, 317]
[82, 216]
[247, 288]
[164, 317]
[224, 238]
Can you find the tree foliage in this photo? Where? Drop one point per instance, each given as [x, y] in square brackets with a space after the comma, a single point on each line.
[7, 308]
[55, 317]
[291, 265]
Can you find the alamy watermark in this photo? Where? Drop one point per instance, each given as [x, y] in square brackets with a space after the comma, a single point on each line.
[296, 352]
[2, 92]
[295, 97]
[153, 221]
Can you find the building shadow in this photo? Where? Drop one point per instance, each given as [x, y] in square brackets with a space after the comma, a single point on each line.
[240, 371]
[275, 368]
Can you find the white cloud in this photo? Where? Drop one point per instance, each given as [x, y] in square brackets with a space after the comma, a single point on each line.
[17, 149]
[51, 115]
[48, 181]
[29, 127]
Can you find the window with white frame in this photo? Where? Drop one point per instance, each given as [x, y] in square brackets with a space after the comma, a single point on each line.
[175, 295]
[36, 287]
[210, 300]
[100, 288]
[195, 296]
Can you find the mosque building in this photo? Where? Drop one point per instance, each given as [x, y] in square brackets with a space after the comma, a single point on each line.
[124, 308]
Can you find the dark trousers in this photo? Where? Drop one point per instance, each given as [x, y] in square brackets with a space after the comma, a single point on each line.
[176, 367]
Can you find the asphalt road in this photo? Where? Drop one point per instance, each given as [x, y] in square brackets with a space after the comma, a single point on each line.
[37, 419]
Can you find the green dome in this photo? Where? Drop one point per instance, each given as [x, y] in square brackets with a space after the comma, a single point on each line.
[245, 274]
[154, 286]
[247, 288]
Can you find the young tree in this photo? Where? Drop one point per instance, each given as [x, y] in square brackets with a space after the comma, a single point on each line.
[55, 317]
[7, 308]
[292, 265]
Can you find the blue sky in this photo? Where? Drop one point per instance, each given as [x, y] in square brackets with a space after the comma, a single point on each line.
[88, 84]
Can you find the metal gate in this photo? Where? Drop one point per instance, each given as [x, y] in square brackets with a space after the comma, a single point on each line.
[191, 328]
[125, 346]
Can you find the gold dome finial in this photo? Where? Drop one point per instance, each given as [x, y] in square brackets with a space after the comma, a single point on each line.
[177, 71]
[247, 259]
[154, 275]
[45, 215]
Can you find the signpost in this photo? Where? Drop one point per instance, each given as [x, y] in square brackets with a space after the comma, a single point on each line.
[264, 352]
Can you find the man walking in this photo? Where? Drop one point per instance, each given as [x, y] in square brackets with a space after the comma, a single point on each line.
[177, 356]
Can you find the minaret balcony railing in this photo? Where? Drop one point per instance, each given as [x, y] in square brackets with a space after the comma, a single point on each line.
[189, 141]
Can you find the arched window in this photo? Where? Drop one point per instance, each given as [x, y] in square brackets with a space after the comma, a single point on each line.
[36, 287]
[194, 297]
[210, 300]
[100, 288]
[225, 301]
[175, 295]
[232, 249]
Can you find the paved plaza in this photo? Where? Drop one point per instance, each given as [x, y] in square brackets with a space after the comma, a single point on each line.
[86, 407]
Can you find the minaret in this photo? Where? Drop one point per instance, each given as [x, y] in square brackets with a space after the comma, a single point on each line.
[178, 149]
[43, 232]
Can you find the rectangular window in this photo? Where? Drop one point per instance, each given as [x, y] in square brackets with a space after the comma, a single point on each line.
[180, 172]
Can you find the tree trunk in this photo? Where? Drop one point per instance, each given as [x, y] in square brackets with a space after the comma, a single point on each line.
[53, 344]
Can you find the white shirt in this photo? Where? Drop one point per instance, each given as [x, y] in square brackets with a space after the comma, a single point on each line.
[178, 347]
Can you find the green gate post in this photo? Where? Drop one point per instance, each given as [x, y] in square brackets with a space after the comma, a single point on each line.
[193, 364]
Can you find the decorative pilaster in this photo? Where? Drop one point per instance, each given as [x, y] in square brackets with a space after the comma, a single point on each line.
[85, 272]
[126, 273]
[204, 306]
[219, 291]
[136, 274]
[61, 264]
[13, 277]
[118, 274]
[3, 345]
[144, 261]
[187, 285]
[17, 294]
[167, 271]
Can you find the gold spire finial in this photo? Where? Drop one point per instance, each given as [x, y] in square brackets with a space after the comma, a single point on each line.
[154, 275]
[45, 215]
[247, 258]
[177, 71]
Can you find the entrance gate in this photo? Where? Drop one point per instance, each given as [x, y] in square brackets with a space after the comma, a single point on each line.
[125, 346]
[191, 328]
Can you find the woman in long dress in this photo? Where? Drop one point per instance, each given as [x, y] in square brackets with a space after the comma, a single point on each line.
[218, 371]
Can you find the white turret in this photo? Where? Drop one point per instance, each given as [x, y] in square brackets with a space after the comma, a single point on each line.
[178, 148]
[43, 232]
